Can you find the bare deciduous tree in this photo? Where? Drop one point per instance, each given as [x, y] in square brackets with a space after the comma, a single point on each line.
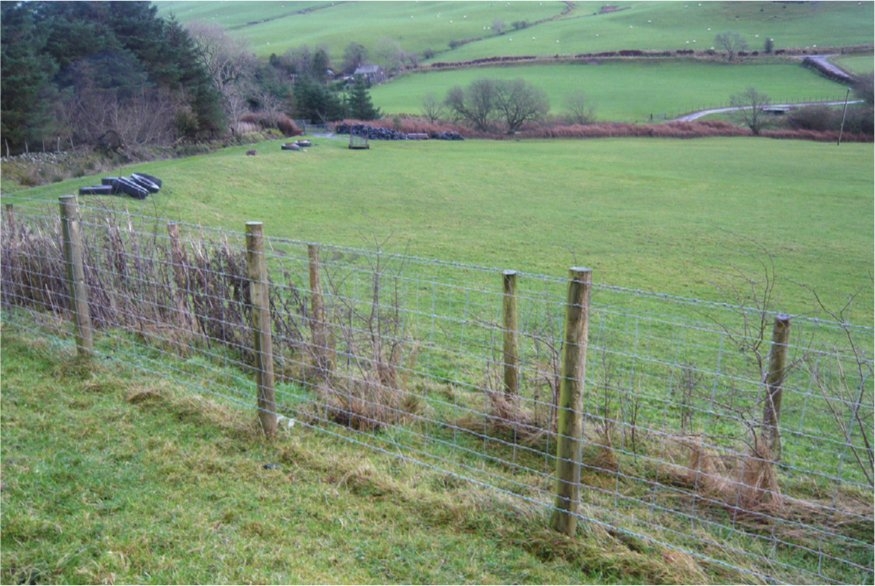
[487, 100]
[579, 108]
[236, 105]
[392, 57]
[475, 106]
[229, 63]
[751, 104]
[145, 118]
[354, 56]
[519, 102]
[847, 390]
[432, 108]
[732, 43]
[227, 59]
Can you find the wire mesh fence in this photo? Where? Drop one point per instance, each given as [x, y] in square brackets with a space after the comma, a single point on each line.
[416, 358]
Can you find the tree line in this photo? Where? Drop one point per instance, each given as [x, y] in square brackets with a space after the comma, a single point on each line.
[101, 73]
[114, 74]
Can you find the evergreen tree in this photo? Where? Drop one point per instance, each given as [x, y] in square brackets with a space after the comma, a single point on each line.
[320, 65]
[93, 53]
[314, 101]
[26, 101]
[359, 102]
[194, 81]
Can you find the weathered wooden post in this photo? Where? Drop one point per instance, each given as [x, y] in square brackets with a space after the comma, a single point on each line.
[774, 385]
[570, 416]
[10, 219]
[318, 327]
[75, 268]
[260, 295]
[511, 338]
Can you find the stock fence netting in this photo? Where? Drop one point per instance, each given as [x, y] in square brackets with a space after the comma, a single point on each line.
[404, 356]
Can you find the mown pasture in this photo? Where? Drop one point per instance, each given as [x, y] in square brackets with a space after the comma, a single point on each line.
[624, 91]
[273, 27]
[662, 215]
[667, 26]
[858, 64]
[619, 91]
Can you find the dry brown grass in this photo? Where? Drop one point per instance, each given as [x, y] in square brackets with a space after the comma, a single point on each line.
[743, 483]
[746, 486]
[505, 418]
[364, 403]
[554, 129]
[413, 124]
[174, 293]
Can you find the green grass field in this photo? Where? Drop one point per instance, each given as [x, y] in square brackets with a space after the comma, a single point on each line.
[274, 27]
[417, 26]
[859, 64]
[659, 26]
[664, 89]
[115, 476]
[663, 215]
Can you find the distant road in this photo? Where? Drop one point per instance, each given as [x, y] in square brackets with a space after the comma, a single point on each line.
[703, 113]
[821, 62]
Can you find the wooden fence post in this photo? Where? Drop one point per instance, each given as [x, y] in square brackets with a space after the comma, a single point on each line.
[318, 327]
[260, 296]
[10, 219]
[76, 274]
[511, 337]
[570, 421]
[774, 385]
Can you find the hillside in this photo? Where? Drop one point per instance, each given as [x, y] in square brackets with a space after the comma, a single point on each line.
[461, 31]
[382, 387]
[463, 34]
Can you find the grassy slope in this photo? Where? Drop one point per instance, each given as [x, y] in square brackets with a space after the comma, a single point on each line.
[112, 477]
[432, 25]
[417, 26]
[859, 64]
[685, 25]
[672, 88]
[664, 215]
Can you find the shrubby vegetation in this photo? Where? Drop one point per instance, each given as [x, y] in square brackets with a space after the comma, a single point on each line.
[487, 101]
[103, 74]
[114, 77]
[856, 119]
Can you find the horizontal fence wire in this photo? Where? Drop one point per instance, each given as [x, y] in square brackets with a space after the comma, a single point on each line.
[403, 356]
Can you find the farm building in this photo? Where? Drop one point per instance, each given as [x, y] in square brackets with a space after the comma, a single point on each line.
[373, 74]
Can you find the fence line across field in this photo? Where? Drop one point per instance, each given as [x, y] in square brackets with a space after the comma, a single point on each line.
[682, 441]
